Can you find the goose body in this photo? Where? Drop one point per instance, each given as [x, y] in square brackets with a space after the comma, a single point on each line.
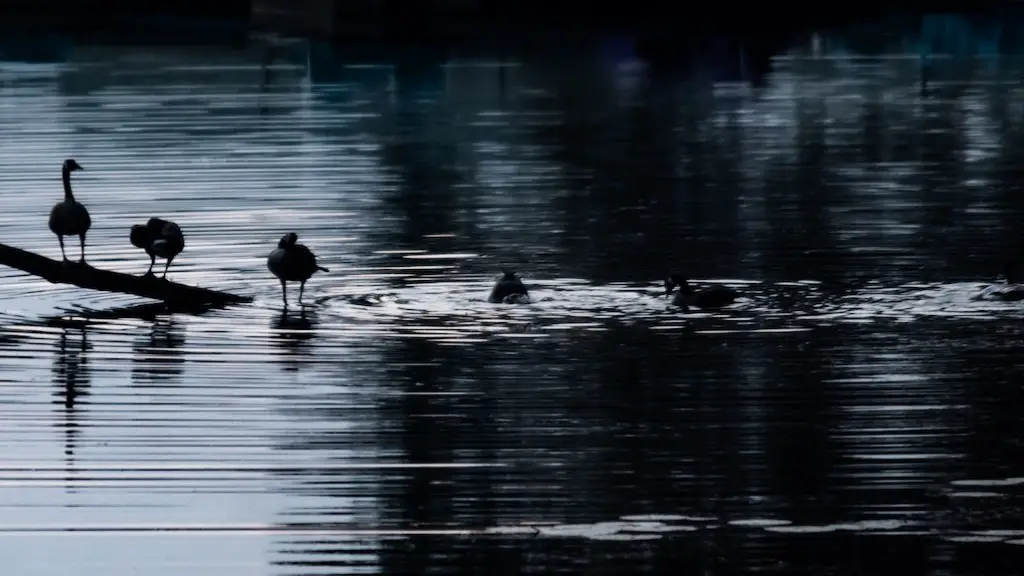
[711, 297]
[69, 217]
[1005, 292]
[292, 262]
[1009, 291]
[160, 239]
[509, 289]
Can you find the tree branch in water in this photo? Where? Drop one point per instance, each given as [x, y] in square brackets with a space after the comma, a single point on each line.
[85, 276]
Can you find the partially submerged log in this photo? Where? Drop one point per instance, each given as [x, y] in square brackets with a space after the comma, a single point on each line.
[85, 276]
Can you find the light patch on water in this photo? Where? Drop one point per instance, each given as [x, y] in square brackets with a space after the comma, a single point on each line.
[621, 530]
[989, 483]
[511, 530]
[999, 533]
[759, 522]
[800, 529]
[970, 539]
[864, 525]
[666, 518]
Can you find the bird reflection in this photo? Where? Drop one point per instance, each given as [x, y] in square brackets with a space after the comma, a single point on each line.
[293, 333]
[71, 377]
[158, 357]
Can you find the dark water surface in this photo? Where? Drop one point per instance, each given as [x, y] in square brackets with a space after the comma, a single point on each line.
[857, 411]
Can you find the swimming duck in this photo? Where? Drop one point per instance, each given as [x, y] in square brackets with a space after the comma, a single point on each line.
[158, 237]
[1010, 290]
[69, 217]
[292, 262]
[509, 289]
[712, 297]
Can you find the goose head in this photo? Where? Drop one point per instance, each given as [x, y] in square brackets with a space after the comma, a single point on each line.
[70, 165]
[675, 279]
[288, 240]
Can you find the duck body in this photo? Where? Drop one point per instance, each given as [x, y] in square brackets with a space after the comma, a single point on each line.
[292, 262]
[508, 289]
[711, 297]
[1010, 290]
[160, 239]
[69, 217]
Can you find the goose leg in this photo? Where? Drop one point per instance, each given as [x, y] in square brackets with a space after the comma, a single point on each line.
[81, 246]
[61, 240]
[169, 260]
[152, 262]
[302, 287]
[284, 293]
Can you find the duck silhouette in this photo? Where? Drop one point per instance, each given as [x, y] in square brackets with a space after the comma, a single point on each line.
[711, 297]
[158, 237]
[1009, 290]
[292, 262]
[508, 289]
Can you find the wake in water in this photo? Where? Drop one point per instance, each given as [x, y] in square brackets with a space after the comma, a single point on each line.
[460, 311]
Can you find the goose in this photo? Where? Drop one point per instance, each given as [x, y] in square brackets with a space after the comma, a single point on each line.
[158, 237]
[1010, 290]
[69, 217]
[509, 289]
[712, 297]
[292, 262]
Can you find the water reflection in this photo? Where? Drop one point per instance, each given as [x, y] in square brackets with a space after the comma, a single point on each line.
[158, 359]
[72, 378]
[855, 388]
[293, 334]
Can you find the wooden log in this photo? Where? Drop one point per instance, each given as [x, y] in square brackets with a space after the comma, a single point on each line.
[85, 276]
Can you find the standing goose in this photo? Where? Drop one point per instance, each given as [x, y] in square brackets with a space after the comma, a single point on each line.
[292, 262]
[509, 289]
[158, 237]
[69, 217]
[713, 297]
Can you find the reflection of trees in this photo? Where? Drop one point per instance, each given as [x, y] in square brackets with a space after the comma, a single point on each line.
[163, 81]
[622, 171]
[831, 162]
[417, 145]
[428, 429]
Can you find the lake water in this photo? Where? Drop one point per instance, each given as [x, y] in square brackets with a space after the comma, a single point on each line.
[856, 412]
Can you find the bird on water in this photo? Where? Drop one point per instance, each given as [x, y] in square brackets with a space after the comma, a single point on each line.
[292, 262]
[159, 238]
[69, 217]
[711, 297]
[509, 289]
[1010, 290]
